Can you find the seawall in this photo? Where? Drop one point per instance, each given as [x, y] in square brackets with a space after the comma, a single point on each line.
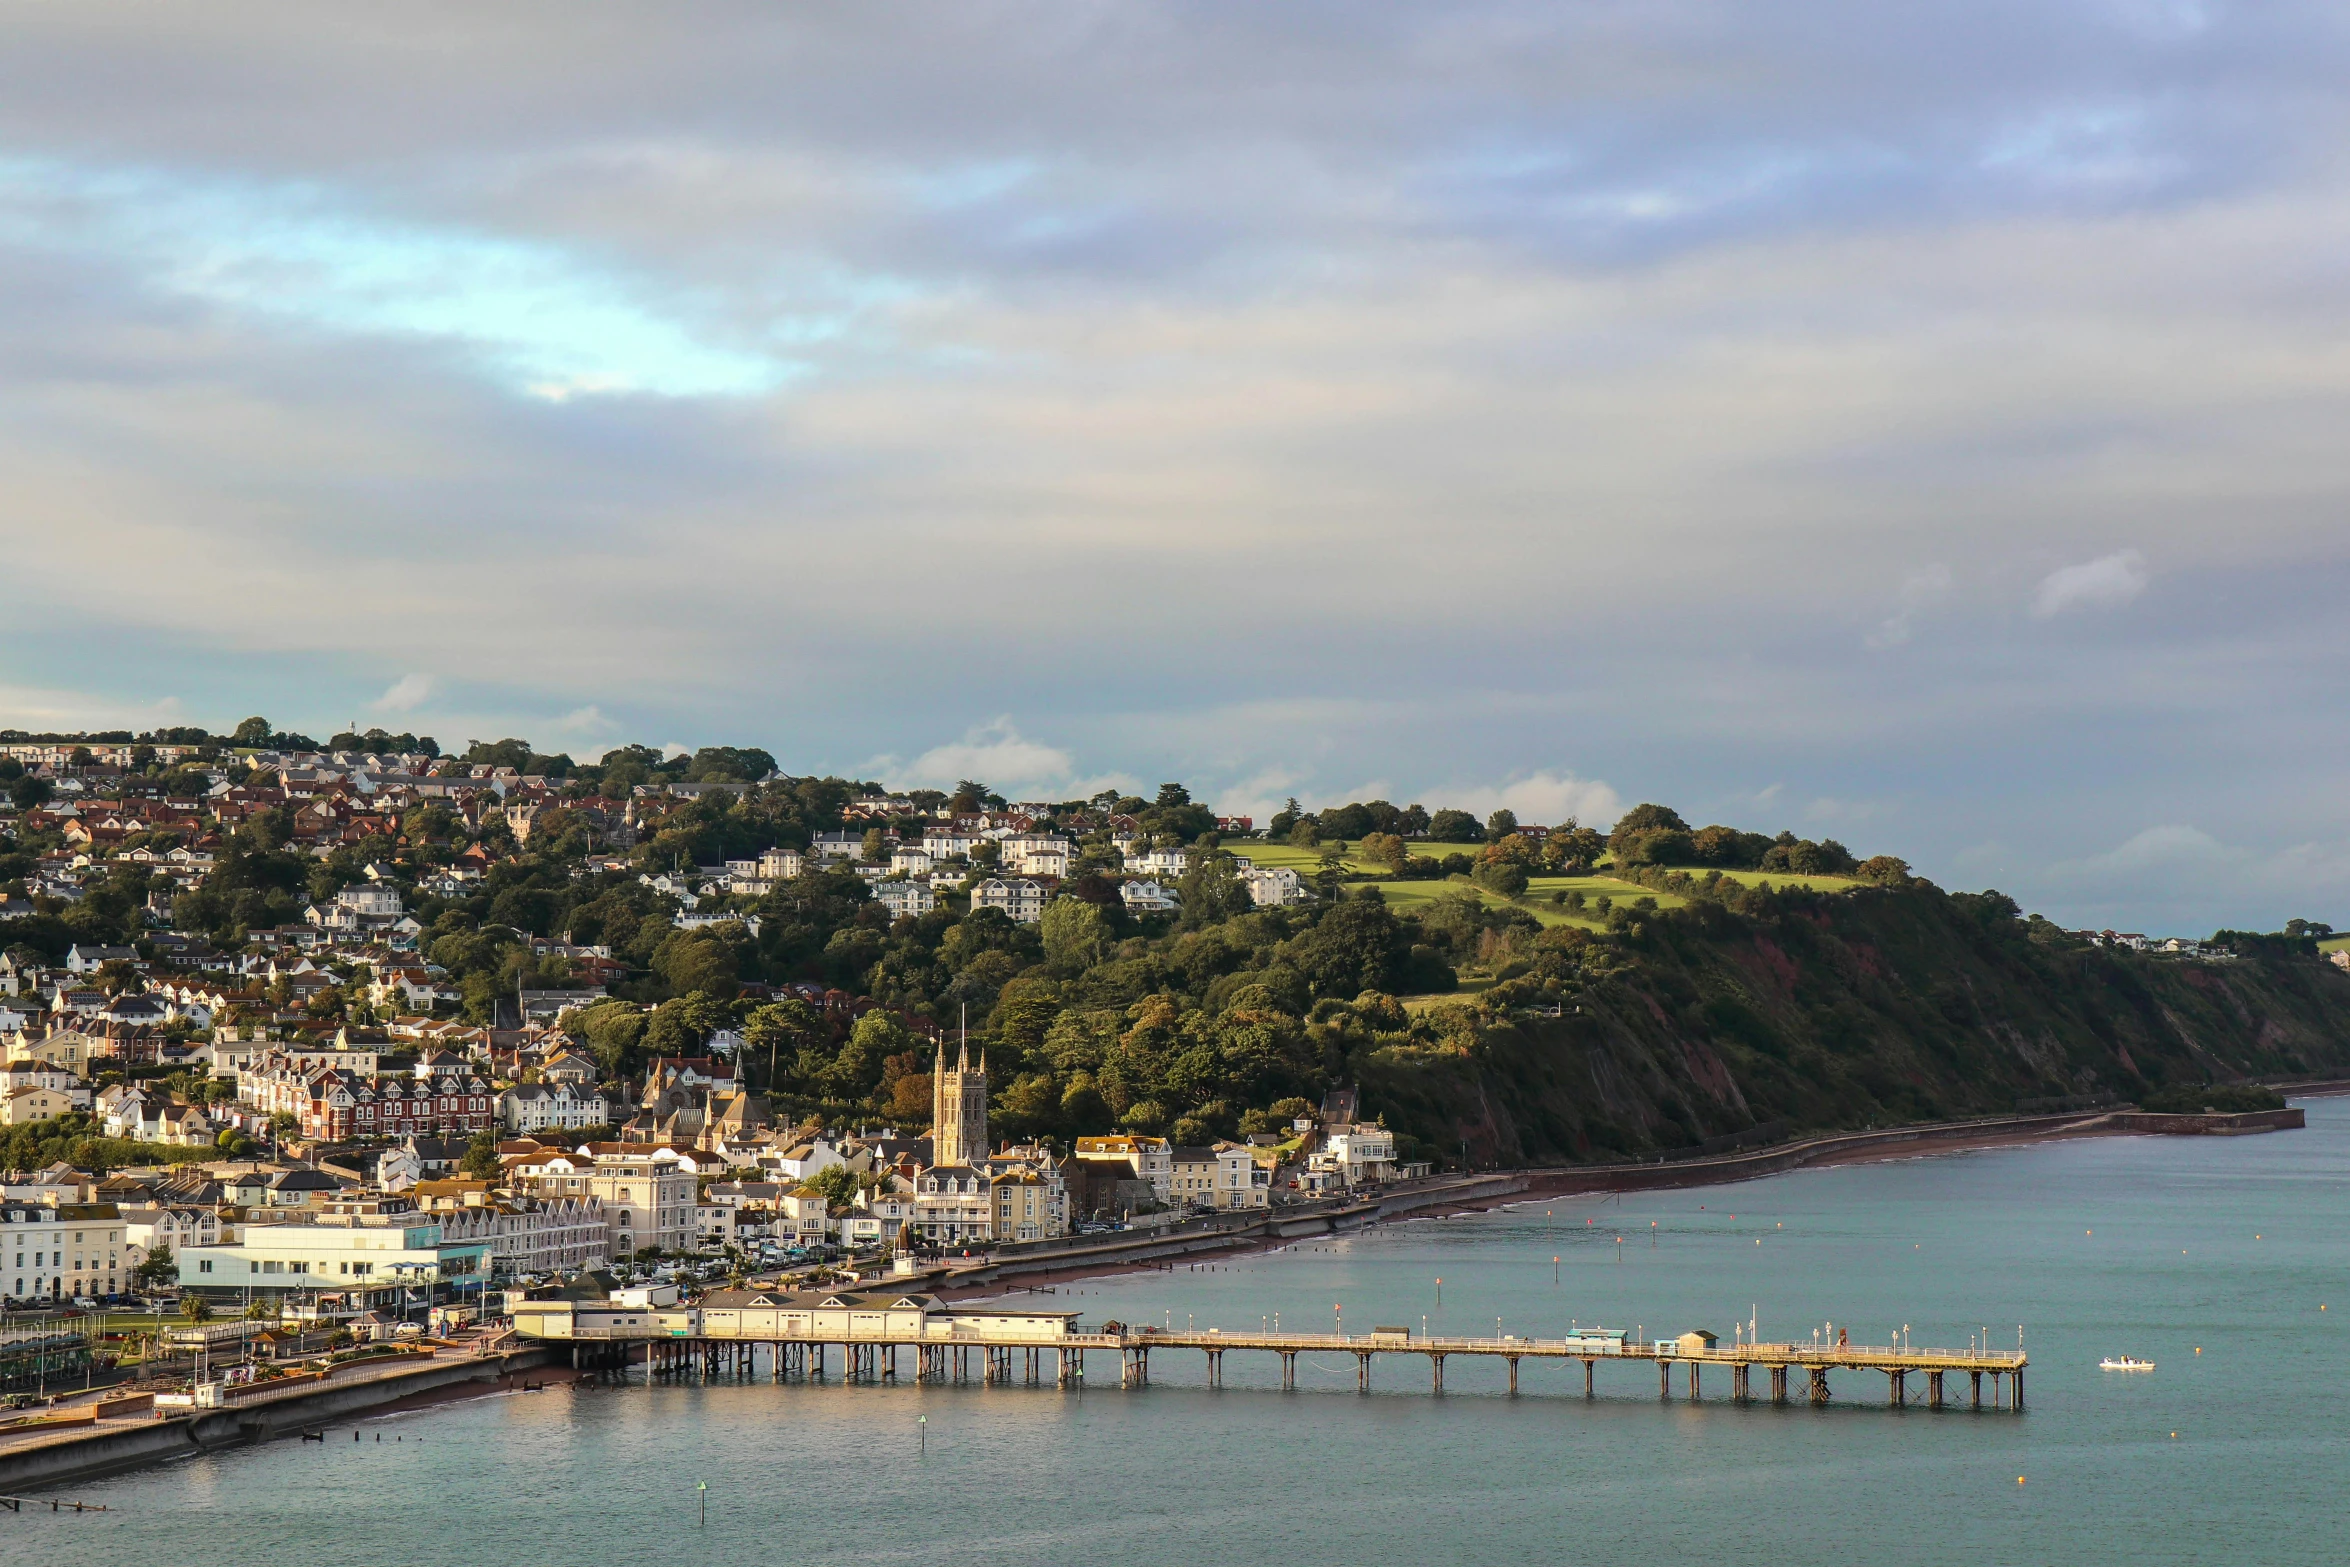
[1275, 1224]
[85, 1452]
[1845, 1147]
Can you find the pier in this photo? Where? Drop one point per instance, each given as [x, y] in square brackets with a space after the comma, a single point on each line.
[883, 1337]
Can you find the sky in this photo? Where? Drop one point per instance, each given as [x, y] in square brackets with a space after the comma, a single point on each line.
[1918, 425]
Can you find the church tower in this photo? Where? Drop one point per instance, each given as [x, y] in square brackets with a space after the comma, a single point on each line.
[958, 1108]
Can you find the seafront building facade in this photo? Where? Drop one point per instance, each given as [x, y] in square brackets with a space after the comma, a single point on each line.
[380, 1252]
[58, 1251]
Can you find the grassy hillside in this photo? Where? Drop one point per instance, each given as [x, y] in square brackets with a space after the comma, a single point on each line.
[1873, 1007]
[1408, 896]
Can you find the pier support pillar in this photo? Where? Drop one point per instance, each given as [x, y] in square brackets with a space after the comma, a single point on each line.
[1435, 1373]
[2019, 1390]
[1513, 1376]
[1738, 1383]
[1694, 1368]
[1778, 1384]
[1215, 1368]
[1819, 1384]
[1897, 1389]
[1289, 1371]
[1362, 1372]
[1976, 1379]
[1587, 1365]
[1664, 1379]
[1933, 1390]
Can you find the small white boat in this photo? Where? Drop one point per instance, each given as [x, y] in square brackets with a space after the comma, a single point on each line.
[2124, 1363]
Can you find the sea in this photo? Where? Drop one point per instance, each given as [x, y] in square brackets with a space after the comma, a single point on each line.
[2222, 1260]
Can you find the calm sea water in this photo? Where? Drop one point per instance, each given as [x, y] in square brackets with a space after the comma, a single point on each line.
[2151, 1246]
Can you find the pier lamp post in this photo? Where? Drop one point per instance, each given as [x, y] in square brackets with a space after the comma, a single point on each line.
[1337, 1320]
[1440, 1294]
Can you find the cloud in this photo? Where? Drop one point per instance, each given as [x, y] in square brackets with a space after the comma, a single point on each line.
[2104, 583]
[2163, 848]
[2177, 879]
[1545, 797]
[997, 755]
[47, 709]
[549, 320]
[1267, 397]
[1919, 589]
[588, 720]
[405, 694]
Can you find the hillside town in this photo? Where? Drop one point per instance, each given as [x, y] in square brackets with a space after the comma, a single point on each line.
[389, 1225]
[318, 1113]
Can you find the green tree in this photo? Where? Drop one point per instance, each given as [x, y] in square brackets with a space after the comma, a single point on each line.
[1454, 827]
[481, 1157]
[1083, 1109]
[1211, 891]
[705, 960]
[680, 1026]
[195, 1308]
[775, 1029]
[252, 734]
[1076, 934]
[856, 1071]
[1506, 877]
[837, 1184]
[615, 1032]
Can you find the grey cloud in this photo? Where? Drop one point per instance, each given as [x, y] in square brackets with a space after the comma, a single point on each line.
[1282, 396]
[2103, 583]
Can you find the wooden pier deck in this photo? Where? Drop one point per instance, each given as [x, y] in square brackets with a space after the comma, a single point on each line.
[1792, 1371]
[1897, 1364]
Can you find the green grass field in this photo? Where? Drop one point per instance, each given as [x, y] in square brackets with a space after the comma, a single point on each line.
[2335, 944]
[1405, 896]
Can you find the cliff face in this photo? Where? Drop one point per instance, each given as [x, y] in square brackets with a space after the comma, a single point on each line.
[1871, 1007]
